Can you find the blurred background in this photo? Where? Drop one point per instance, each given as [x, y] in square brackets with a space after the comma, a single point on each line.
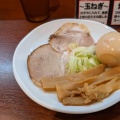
[8, 9]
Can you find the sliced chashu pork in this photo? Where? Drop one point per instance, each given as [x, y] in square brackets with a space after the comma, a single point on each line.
[48, 60]
[44, 61]
[70, 33]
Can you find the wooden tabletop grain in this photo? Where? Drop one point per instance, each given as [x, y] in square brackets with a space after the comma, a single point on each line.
[14, 103]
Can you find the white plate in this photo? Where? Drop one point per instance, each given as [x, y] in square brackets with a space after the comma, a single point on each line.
[49, 100]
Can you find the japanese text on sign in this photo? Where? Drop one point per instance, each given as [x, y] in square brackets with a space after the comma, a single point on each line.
[116, 13]
[94, 10]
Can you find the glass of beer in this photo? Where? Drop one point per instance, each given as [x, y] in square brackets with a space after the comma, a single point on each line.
[35, 10]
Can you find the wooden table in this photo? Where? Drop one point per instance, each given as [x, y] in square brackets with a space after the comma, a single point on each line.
[14, 103]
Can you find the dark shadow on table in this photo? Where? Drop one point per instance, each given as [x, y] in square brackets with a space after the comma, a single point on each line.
[54, 5]
[107, 114]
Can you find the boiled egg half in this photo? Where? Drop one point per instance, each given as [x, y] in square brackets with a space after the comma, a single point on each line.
[108, 49]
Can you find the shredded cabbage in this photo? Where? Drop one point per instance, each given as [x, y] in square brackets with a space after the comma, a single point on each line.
[82, 58]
